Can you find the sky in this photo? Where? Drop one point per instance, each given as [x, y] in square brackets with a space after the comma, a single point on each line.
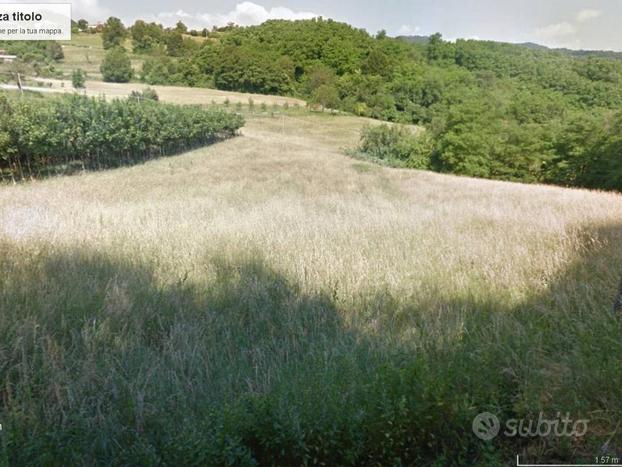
[577, 24]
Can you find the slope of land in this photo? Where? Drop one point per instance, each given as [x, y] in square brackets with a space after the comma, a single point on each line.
[269, 298]
[172, 94]
[86, 51]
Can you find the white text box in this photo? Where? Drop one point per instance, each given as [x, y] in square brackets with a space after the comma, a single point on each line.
[35, 21]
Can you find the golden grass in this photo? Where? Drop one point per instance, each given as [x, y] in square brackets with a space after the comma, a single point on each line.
[171, 94]
[335, 271]
[285, 188]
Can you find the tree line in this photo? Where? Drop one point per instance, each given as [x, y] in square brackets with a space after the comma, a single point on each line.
[494, 110]
[39, 137]
[490, 109]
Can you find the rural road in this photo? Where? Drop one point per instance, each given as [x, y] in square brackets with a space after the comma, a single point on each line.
[14, 87]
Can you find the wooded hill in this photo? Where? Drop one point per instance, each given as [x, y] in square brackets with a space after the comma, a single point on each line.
[491, 109]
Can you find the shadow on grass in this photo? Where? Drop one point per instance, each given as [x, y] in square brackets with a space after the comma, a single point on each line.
[18, 171]
[103, 363]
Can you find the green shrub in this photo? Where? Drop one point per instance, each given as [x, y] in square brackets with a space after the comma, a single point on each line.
[116, 66]
[146, 94]
[397, 145]
[78, 78]
[54, 50]
[158, 70]
[326, 96]
[53, 135]
[114, 33]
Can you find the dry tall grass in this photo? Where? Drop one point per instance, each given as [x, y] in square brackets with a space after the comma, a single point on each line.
[171, 94]
[517, 280]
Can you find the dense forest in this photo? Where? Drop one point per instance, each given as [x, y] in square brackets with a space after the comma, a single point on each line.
[502, 111]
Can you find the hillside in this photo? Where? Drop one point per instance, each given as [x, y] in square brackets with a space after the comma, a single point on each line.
[172, 94]
[269, 299]
[491, 110]
[609, 54]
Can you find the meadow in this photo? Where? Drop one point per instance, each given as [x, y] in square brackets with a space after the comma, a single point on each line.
[269, 300]
[170, 94]
[85, 51]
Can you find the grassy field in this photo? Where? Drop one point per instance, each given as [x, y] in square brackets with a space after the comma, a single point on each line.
[171, 94]
[268, 299]
[86, 51]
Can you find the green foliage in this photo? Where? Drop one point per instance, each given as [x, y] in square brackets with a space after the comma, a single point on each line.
[43, 136]
[251, 70]
[317, 76]
[377, 63]
[116, 66]
[181, 28]
[588, 151]
[440, 51]
[174, 44]
[146, 37]
[146, 94]
[491, 110]
[158, 70]
[336, 45]
[327, 96]
[83, 25]
[54, 50]
[396, 145]
[34, 51]
[131, 349]
[78, 78]
[113, 33]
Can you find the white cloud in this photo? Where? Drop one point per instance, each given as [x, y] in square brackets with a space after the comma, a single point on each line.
[175, 14]
[556, 31]
[244, 14]
[587, 15]
[566, 33]
[88, 9]
[408, 30]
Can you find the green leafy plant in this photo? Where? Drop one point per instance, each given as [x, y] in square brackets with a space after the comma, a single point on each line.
[113, 33]
[397, 145]
[78, 78]
[116, 66]
[40, 137]
[148, 94]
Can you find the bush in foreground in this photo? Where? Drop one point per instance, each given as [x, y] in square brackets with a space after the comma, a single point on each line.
[108, 366]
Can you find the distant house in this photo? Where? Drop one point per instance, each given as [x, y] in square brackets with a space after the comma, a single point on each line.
[95, 27]
[6, 58]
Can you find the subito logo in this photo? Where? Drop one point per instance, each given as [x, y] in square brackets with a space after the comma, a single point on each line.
[486, 426]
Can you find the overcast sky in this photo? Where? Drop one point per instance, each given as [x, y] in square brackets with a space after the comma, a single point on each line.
[587, 24]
